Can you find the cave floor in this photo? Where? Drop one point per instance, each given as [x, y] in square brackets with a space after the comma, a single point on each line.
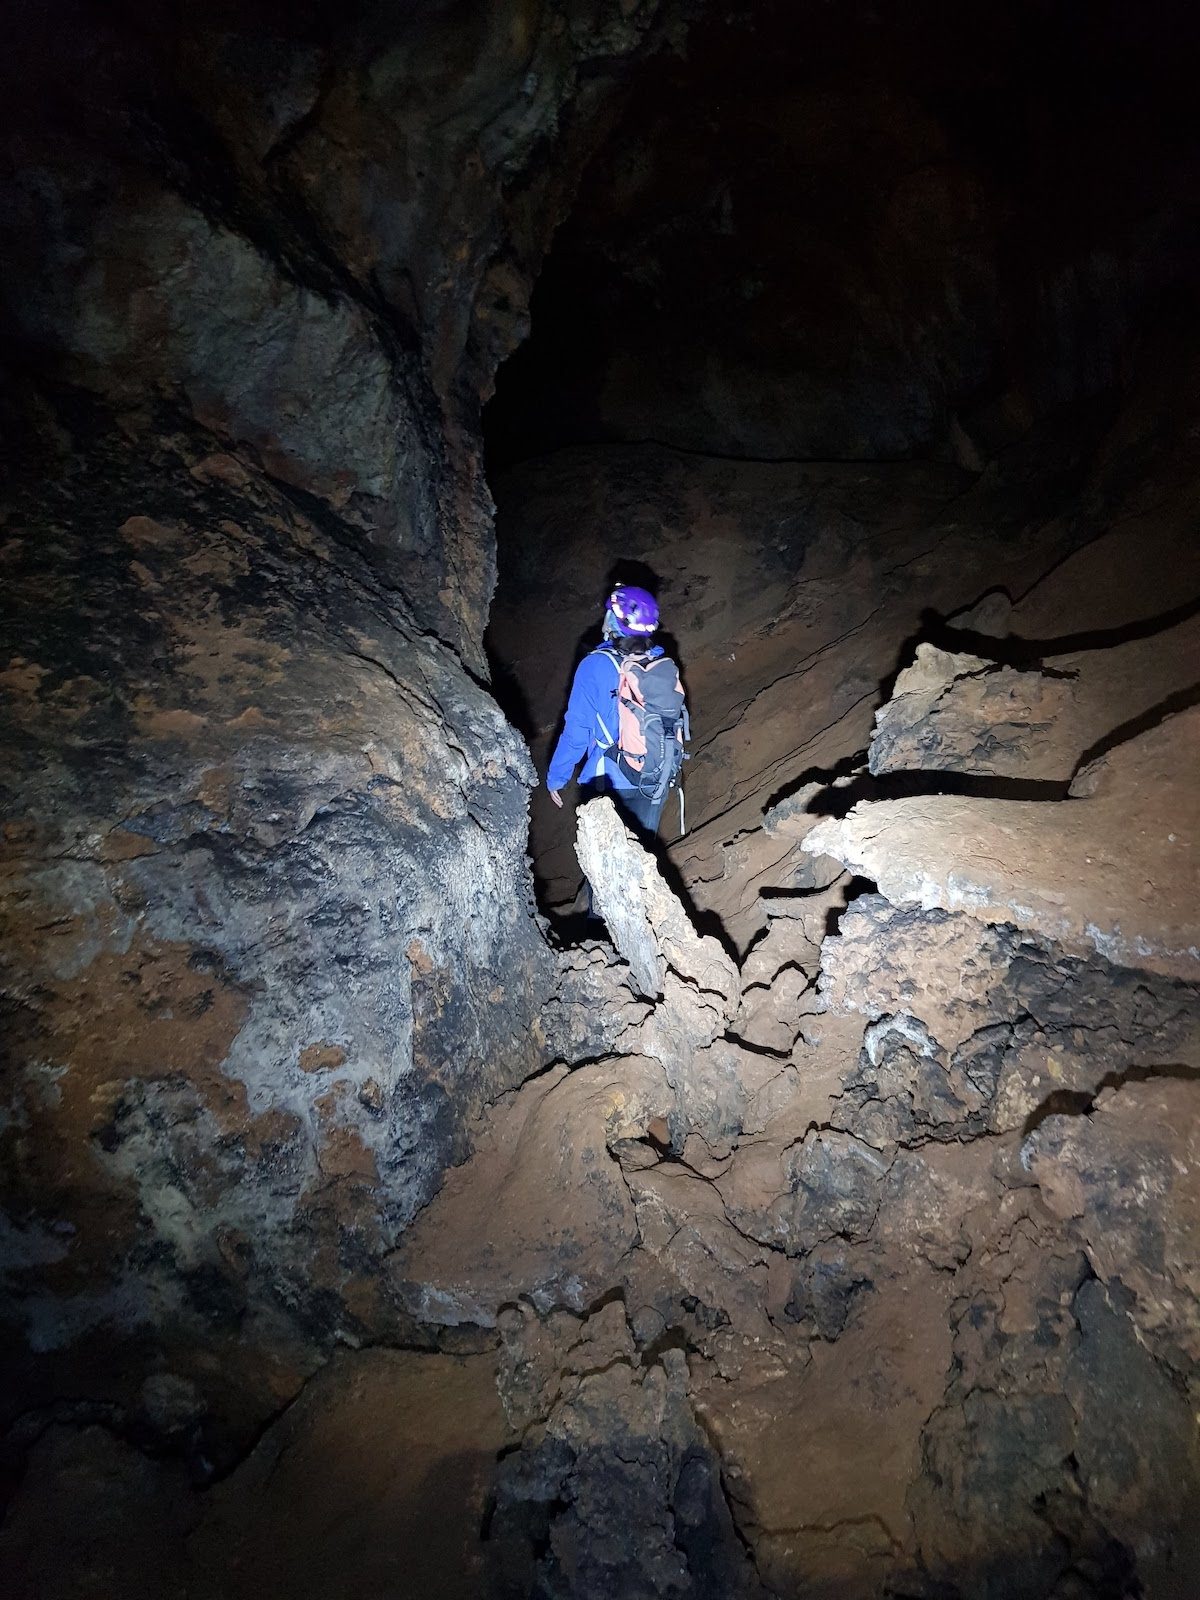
[814, 1281]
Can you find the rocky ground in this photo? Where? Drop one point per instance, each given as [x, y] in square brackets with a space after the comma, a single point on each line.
[828, 1226]
[863, 1266]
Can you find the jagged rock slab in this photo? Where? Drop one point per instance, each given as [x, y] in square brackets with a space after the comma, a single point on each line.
[966, 714]
[1115, 868]
[694, 982]
[962, 713]
[648, 923]
[975, 1028]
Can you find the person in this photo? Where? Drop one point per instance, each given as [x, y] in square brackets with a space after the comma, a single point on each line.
[592, 726]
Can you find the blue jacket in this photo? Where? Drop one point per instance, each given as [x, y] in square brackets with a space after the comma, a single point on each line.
[590, 726]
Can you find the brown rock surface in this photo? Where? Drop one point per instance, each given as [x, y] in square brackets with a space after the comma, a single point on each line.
[958, 713]
[380, 1440]
[820, 1457]
[542, 1210]
[1127, 1176]
[1115, 869]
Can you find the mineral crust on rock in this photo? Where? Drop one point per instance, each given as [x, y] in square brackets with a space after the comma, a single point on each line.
[267, 942]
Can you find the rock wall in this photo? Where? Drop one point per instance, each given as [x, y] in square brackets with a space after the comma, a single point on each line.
[247, 210]
[267, 931]
[269, 943]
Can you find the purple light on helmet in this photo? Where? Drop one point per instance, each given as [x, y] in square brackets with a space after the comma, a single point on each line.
[636, 610]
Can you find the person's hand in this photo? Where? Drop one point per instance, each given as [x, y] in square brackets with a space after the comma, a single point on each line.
[556, 797]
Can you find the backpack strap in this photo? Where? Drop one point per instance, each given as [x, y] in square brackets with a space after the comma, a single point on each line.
[609, 733]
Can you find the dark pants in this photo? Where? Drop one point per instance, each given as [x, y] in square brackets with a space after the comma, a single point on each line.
[644, 812]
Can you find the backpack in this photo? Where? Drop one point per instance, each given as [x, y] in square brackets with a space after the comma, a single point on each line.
[652, 722]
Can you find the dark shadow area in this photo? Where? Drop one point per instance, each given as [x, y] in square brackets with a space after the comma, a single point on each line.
[837, 801]
[847, 767]
[1181, 700]
[838, 797]
[510, 696]
[1079, 1103]
[1028, 655]
[626, 570]
[851, 891]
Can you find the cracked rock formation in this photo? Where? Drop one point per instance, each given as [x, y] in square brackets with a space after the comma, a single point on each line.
[822, 1223]
[250, 812]
[1115, 868]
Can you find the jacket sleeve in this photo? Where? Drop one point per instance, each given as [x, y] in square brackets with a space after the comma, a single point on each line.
[591, 693]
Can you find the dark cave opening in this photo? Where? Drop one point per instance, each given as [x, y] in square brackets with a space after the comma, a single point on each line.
[366, 1221]
[847, 233]
[819, 238]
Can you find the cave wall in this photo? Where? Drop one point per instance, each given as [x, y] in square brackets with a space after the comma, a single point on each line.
[247, 210]
[268, 935]
[868, 1268]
